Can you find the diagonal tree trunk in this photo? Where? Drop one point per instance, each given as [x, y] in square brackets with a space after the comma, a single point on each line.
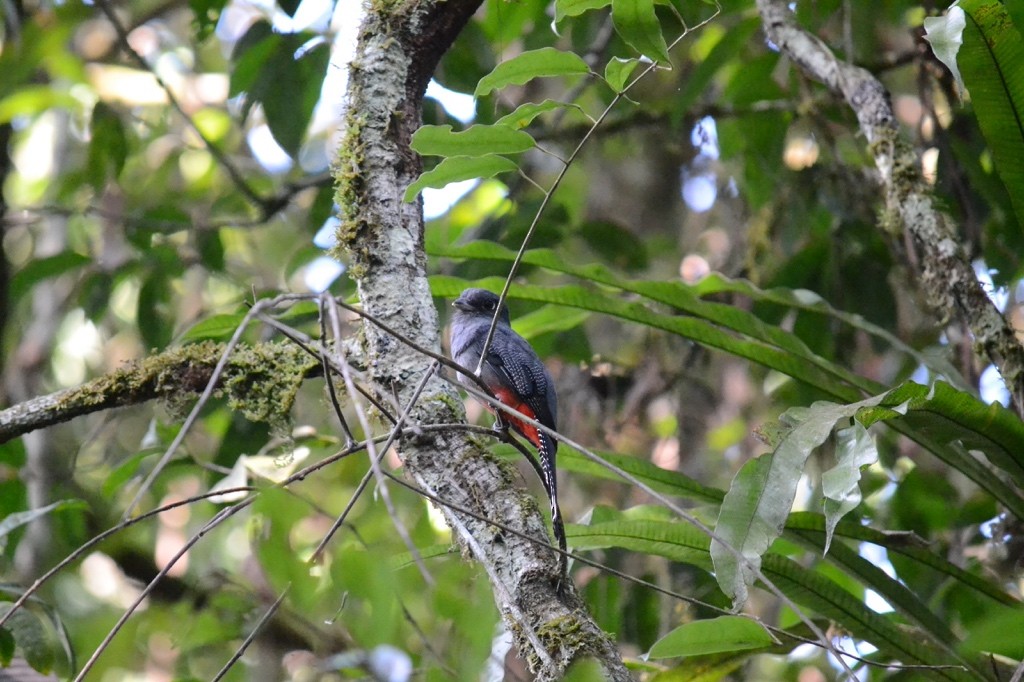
[398, 47]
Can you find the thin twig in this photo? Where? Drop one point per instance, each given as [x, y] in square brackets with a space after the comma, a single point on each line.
[686, 516]
[558, 181]
[211, 385]
[604, 568]
[506, 598]
[370, 472]
[240, 651]
[371, 450]
[316, 350]
[329, 378]
[218, 518]
[95, 540]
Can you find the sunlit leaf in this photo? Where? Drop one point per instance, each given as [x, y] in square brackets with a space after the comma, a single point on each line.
[524, 67]
[945, 34]
[712, 636]
[526, 113]
[477, 140]
[458, 168]
[855, 448]
[761, 496]
[617, 71]
[574, 8]
[637, 23]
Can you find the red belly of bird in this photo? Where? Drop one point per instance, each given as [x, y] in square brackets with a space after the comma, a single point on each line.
[529, 431]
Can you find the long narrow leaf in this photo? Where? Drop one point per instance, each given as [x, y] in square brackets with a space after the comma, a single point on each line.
[993, 428]
[991, 62]
[812, 590]
[697, 330]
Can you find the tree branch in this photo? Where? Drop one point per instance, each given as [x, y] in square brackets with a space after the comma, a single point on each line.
[946, 273]
[398, 48]
[170, 375]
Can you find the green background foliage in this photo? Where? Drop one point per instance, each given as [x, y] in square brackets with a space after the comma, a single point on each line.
[708, 281]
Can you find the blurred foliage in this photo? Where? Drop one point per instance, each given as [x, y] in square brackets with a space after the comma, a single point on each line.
[708, 270]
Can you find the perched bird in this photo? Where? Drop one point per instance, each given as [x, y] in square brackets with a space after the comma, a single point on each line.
[516, 376]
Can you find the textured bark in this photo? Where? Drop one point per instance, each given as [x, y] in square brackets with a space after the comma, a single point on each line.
[946, 273]
[173, 375]
[382, 237]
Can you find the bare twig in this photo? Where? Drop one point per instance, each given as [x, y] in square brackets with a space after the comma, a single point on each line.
[329, 378]
[679, 511]
[207, 392]
[218, 518]
[240, 651]
[335, 320]
[558, 181]
[97, 539]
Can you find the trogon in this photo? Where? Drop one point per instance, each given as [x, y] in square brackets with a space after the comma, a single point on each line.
[517, 377]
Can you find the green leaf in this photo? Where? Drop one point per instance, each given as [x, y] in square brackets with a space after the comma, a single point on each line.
[13, 521]
[12, 453]
[809, 301]
[213, 328]
[154, 295]
[206, 14]
[660, 480]
[810, 589]
[458, 168]
[31, 100]
[999, 633]
[675, 541]
[477, 140]
[290, 93]
[32, 638]
[682, 297]
[813, 590]
[617, 71]
[936, 423]
[855, 448]
[250, 53]
[636, 22]
[899, 596]
[526, 113]
[761, 496]
[108, 148]
[547, 61]
[288, 86]
[7, 645]
[712, 636]
[803, 525]
[35, 271]
[953, 420]
[574, 8]
[991, 61]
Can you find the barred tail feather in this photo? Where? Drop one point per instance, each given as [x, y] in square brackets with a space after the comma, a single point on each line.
[546, 455]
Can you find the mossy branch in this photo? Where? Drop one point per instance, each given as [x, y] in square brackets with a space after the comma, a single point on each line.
[260, 380]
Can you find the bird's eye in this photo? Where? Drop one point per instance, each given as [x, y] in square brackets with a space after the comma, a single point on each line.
[490, 305]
